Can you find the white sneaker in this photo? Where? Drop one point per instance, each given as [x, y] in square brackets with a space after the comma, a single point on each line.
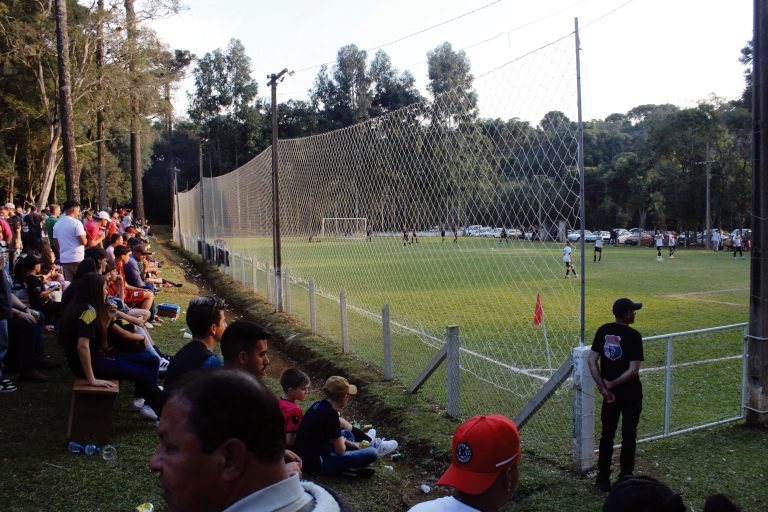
[137, 403]
[384, 446]
[148, 412]
[164, 365]
[149, 325]
[372, 434]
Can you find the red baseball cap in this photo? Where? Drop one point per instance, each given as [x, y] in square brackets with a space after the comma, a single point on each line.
[483, 447]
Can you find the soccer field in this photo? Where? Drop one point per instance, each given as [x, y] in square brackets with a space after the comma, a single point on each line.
[489, 290]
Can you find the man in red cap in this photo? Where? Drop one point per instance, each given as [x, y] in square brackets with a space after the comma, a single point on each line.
[485, 467]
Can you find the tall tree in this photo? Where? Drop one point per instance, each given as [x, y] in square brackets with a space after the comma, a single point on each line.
[71, 170]
[450, 82]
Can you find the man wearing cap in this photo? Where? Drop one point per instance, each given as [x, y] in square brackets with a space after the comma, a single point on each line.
[619, 350]
[69, 234]
[485, 466]
[320, 442]
[95, 229]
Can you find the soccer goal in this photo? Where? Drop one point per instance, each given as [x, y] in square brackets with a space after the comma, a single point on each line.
[343, 227]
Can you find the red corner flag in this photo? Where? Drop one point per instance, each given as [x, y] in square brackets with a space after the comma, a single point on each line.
[538, 314]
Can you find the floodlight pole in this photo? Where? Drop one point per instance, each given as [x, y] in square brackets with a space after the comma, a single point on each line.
[273, 80]
[757, 337]
[582, 312]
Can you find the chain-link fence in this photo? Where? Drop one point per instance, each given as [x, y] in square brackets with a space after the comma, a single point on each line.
[447, 217]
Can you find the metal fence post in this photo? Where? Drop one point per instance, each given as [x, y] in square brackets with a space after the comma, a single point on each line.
[254, 271]
[668, 388]
[744, 368]
[242, 270]
[388, 370]
[312, 306]
[287, 286]
[344, 334]
[453, 372]
[269, 285]
[583, 441]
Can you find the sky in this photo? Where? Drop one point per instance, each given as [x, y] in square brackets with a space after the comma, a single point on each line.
[632, 52]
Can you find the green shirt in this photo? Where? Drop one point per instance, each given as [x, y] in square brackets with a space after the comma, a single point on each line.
[49, 223]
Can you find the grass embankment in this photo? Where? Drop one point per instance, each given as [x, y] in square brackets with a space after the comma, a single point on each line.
[41, 475]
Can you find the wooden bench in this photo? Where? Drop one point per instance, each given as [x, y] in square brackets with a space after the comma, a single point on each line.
[90, 413]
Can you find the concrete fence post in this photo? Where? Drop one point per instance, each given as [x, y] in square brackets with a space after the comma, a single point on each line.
[312, 306]
[269, 286]
[453, 372]
[287, 287]
[388, 369]
[583, 441]
[343, 310]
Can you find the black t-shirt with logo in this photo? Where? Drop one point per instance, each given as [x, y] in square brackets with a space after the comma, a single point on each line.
[618, 344]
[317, 430]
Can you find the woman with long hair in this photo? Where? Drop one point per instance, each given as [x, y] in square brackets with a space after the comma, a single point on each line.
[83, 335]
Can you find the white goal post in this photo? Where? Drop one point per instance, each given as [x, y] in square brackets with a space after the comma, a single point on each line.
[343, 227]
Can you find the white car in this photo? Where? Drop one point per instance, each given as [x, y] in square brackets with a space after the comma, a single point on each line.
[473, 230]
[606, 236]
[487, 232]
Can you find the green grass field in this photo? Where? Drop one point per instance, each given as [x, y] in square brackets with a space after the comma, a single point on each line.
[489, 289]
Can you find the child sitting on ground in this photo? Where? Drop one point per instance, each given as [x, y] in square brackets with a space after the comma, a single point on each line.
[295, 385]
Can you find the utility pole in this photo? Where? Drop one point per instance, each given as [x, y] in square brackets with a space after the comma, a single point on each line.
[757, 338]
[708, 221]
[274, 79]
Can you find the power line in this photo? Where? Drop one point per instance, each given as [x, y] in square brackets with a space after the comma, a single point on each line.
[411, 35]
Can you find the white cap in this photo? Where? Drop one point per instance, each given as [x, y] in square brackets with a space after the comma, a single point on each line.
[102, 215]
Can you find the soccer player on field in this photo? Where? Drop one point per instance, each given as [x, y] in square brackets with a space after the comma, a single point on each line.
[598, 249]
[672, 244]
[504, 236]
[414, 238]
[455, 234]
[442, 233]
[567, 250]
[659, 239]
[405, 236]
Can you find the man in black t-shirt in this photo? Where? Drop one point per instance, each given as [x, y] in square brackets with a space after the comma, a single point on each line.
[206, 322]
[619, 349]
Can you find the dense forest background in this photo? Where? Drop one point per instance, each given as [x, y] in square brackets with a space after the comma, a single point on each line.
[644, 167]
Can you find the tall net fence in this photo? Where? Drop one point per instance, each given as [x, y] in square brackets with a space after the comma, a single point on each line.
[448, 217]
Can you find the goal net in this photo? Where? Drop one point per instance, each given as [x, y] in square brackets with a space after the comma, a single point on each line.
[343, 227]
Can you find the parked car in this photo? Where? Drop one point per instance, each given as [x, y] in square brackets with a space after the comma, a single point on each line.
[486, 232]
[605, 235]
[514, 233]
[473, 230]
[621, 235]
[645, 239]
[575, 235]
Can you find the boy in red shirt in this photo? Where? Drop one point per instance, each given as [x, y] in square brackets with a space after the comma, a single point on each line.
[295, 385]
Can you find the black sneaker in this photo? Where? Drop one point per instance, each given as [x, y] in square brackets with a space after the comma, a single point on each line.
[7, 386]
[363, 472]
[603, 482]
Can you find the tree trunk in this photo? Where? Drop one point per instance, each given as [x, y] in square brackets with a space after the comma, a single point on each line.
[101, 146]
[71, 170]
[136, 174]
[49, 166]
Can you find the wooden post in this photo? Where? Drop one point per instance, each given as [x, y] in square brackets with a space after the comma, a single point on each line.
[312, 306]
[453, 373]
[388, 369]
[344, 334]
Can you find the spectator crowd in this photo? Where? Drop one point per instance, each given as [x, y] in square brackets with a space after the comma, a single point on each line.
[226, 442]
